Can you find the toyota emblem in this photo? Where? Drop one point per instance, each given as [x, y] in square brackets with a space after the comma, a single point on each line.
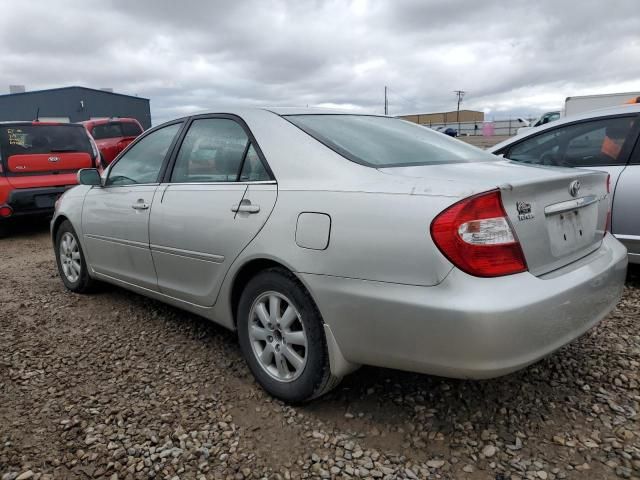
[574, 188]
[54, 159]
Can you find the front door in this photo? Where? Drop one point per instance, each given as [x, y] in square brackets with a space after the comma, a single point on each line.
[115, 217]
[217, 199]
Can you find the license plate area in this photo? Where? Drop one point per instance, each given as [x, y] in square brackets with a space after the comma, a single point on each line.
[571, 230]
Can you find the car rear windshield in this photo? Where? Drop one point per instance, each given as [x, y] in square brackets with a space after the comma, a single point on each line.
[386, 142]
[116, 130]
[32, 139]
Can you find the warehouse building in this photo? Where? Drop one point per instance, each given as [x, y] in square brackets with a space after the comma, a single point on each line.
[72, 104]
[443, 118]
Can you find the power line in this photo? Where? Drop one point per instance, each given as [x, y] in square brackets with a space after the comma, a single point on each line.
[402, 97]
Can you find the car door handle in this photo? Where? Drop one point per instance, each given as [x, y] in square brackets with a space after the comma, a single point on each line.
[140, 206]
[245, 207]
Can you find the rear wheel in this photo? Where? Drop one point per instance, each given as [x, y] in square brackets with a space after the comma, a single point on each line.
[3, 230]
[282, 337]
[72, 266]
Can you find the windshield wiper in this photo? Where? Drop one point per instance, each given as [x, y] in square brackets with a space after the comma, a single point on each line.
[56, 150]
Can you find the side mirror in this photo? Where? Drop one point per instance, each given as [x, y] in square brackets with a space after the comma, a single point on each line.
[89, 176]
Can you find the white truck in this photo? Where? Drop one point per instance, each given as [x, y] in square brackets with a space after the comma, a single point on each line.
[585, 103]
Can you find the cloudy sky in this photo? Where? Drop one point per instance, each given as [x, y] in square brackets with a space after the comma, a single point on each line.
[512, 57]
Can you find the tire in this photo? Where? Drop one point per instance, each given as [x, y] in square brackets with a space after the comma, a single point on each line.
[70, 259]
[4, 231]
[267, 345]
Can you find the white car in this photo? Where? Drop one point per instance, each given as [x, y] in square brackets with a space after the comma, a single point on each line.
[607, 139]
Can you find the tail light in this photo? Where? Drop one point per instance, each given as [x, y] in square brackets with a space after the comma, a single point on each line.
[6, 211]
[476, 236]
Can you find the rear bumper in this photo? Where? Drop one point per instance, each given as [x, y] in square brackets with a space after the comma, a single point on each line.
[470, 327]
[34, 201]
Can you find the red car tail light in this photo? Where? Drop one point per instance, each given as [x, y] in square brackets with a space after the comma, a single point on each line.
[6, 211]
[476, 236]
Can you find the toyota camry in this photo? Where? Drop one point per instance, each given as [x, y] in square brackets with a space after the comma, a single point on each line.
[330, 240]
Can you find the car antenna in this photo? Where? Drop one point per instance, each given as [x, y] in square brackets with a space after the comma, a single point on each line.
[37, 115]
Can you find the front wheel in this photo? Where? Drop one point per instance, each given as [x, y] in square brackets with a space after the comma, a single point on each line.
[282, 337]
[72, 266]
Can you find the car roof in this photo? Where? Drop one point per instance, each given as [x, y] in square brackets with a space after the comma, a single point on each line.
[36, 123]
[277, 110]
[99, 121]
[592, 114]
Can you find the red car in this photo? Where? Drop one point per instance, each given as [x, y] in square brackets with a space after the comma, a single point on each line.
[113, 135]
[38, 162]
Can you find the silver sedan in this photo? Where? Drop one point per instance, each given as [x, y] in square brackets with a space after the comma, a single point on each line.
[331, 240]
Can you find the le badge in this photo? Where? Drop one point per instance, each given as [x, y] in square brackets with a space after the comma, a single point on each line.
[524, 211]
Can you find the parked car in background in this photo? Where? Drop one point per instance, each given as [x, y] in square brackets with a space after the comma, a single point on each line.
[606, 140]
[452, 132]
[38, 162]
[284, 225]
[545, 118]
[113, 135]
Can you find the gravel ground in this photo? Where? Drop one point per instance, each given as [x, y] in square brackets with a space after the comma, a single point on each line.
[117, 386]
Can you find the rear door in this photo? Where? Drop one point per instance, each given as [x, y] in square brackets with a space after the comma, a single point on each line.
[215, 200]
[115, 218]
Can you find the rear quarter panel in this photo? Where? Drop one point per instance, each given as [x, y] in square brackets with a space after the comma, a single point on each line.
[373, 236]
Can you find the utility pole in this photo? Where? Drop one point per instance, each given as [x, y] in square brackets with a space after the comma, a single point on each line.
[386, 101]
[460, 94]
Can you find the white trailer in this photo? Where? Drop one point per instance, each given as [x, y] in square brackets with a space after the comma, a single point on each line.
[575, 105]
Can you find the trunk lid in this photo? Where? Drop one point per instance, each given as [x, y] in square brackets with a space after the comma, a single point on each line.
[558, 214]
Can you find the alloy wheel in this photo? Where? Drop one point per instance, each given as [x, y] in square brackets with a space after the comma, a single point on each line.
[277, 336]
[70, 257]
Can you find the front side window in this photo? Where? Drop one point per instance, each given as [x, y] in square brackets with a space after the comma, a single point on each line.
[587, 144]
[212, 151]
[386, 142]
[142, 163]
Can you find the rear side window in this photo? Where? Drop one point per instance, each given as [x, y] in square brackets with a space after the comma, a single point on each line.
[586, 144]
[130, 129]
[35, 139]
[386, 142]
[143, 161]
[115, 130]
[212, 151]
[253, 169]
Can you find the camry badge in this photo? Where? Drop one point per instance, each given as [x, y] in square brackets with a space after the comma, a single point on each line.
[524, 211]
[54, 159]
[574, 188]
